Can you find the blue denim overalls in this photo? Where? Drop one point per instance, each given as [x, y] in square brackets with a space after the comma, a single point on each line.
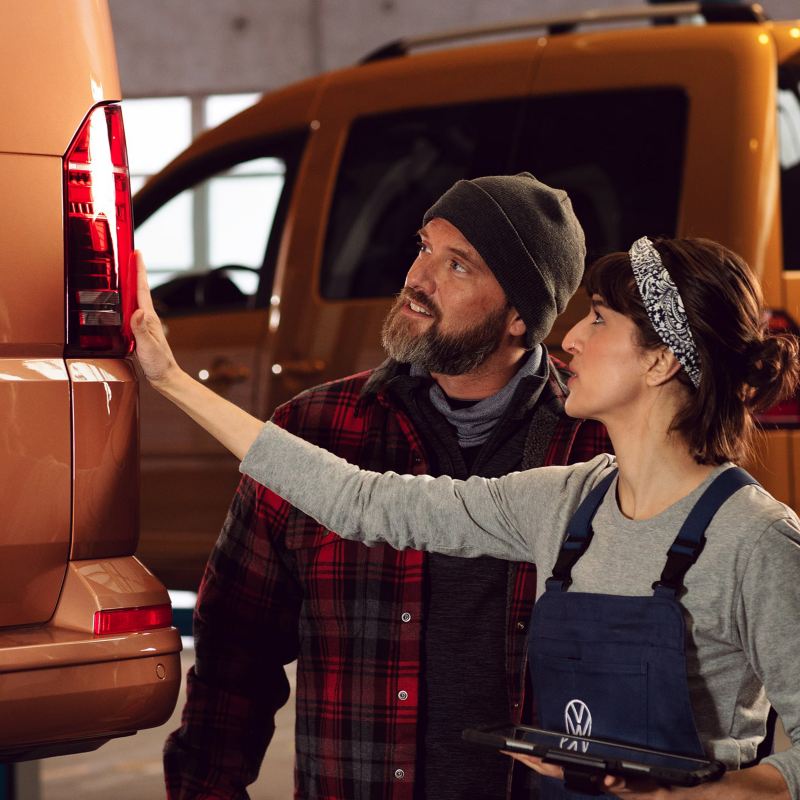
[613, 667]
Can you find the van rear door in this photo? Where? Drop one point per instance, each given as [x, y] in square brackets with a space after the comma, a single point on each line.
[56, 63]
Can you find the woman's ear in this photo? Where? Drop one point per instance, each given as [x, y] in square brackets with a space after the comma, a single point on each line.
[662, 366]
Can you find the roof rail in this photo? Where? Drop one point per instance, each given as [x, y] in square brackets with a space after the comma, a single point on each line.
[554, 26]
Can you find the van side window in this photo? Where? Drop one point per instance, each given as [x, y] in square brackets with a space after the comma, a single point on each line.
[393, 169]
[618, 154]
[789, 153]
[222, 268]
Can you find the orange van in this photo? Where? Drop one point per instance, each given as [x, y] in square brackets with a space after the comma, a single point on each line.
[683, 121]
[87, 647]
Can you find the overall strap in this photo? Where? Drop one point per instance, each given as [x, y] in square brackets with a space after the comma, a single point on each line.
[579, 535]
[691, 539]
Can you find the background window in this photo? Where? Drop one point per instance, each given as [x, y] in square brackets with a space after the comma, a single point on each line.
[179, 238]
[394, 167]
[242, 203]
[619, 155]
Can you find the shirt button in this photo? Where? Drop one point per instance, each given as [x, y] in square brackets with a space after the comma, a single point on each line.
[417, 458]
[405, 616]
[402, 694]
[516, 705]
[399, 774]
[520, 626]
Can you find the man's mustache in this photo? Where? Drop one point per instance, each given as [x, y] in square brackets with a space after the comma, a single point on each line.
[420, 299]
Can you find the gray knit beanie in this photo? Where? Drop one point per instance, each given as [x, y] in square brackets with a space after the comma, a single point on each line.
[528, 235]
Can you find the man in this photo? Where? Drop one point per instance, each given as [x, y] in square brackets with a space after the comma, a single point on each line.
[397, 651]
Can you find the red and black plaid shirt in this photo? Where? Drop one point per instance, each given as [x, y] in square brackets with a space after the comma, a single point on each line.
[280, 587]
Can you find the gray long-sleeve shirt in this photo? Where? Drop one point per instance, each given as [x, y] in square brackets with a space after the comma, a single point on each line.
[742, 600]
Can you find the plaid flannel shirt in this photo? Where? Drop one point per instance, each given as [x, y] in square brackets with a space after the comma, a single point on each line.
[280, 587]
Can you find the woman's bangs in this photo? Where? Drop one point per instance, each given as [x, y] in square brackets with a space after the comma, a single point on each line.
[611, 277]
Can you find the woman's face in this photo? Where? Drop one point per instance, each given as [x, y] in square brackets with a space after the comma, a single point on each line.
[608, 365]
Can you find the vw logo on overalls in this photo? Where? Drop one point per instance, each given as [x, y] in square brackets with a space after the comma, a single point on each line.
[577, 722]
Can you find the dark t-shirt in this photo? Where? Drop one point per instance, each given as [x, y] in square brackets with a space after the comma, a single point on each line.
[463, 661]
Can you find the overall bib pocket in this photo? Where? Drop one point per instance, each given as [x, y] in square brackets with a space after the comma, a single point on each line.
[572, 696]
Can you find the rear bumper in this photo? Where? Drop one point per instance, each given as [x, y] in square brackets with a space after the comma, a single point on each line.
[63, 689]
[70, 709]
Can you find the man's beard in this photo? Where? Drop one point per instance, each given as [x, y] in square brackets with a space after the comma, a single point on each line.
[444, 353]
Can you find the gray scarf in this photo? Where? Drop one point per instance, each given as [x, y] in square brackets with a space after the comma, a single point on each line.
[474, 423]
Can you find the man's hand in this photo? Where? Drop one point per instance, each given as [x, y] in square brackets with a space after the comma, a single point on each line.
[152, 350]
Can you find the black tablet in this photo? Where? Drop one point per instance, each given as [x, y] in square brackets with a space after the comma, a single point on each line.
[596, 756]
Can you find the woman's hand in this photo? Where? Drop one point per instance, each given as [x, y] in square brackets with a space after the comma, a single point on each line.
[763, 782]
[231, 426]
[537, 765]
[637, 789]
[152, 349]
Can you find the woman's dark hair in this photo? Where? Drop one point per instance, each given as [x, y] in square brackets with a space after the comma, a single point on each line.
[745, 369]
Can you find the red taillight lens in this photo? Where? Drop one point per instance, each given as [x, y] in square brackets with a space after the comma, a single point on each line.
[99, 237]
[131, 620]
[787, 413]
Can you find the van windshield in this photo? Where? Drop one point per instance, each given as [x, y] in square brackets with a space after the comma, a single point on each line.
[789, 152]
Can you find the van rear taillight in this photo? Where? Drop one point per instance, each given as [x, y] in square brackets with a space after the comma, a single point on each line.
[787, 413]
[131, 620]
[99, 237]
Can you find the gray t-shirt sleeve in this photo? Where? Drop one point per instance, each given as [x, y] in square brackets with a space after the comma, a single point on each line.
[768, 620]
[496, 517]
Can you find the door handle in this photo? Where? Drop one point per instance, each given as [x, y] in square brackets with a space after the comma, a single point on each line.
[224, 373]
[303, 367]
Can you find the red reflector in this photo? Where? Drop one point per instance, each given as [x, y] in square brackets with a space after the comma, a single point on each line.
[99, 237]
[780, 322]
[131, 620]
[782, 415]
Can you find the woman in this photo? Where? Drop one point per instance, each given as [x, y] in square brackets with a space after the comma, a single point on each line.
[683, 609]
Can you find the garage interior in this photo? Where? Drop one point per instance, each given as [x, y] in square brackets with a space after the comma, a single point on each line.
[198, 62]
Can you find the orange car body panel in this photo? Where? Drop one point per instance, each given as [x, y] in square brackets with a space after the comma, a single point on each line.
[60, 56]
[35, 477]
[105, 414]
[31, 243]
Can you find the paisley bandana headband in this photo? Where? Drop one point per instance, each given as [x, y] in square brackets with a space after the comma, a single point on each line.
[664, 306]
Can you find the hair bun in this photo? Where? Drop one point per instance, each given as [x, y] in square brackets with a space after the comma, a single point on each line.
[771, 370]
